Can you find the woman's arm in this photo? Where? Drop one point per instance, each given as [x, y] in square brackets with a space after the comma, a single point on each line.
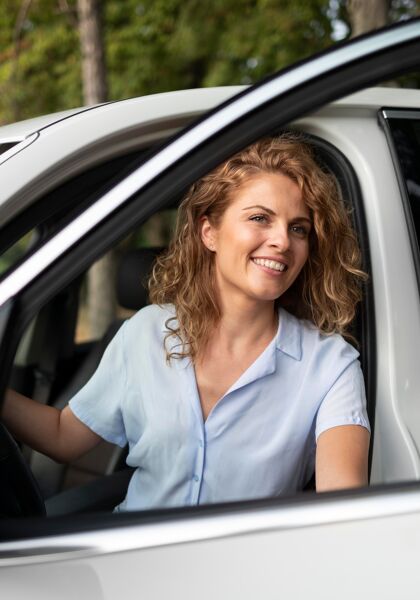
[56, 433]
[342, 458]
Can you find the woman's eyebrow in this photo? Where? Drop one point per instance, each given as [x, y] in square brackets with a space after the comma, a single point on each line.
[303, 219]
[261, 207]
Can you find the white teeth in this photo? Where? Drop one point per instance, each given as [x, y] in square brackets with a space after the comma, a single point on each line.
[271, 264]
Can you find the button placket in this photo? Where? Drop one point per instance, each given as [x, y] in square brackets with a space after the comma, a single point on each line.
[197, 477]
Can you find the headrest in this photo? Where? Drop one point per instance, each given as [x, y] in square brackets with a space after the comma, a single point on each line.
[132, 275]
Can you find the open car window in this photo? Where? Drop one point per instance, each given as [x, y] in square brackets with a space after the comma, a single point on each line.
[58, 351]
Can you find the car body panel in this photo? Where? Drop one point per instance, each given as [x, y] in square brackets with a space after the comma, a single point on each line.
[345, 558]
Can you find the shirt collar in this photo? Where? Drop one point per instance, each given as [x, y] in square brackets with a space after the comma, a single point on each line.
[288, 339]
[289, 335]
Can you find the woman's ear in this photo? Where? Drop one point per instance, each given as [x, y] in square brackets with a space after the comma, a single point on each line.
[208, 234]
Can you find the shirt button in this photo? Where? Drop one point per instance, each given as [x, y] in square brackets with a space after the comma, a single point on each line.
[196, 477]
[201, 443]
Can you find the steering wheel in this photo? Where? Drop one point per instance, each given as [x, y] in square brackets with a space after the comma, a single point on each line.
[20, 495]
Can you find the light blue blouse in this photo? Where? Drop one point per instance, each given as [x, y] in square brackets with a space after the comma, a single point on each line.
[258, 441]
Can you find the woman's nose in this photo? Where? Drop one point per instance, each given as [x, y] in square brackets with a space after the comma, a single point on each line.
[281, 239]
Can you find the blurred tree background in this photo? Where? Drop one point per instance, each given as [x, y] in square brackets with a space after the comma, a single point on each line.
[151, 46]
[160, 45]
[60, 54]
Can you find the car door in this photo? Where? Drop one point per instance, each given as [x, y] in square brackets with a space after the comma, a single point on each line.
[343, 544]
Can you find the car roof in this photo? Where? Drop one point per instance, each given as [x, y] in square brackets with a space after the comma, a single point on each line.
[370, 97]
[377, 97]
[15, 132]
[202, 97]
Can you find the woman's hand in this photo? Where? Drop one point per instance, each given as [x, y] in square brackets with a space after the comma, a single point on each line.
[342, 458]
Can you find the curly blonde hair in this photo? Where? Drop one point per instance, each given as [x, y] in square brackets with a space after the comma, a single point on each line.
[327, 289]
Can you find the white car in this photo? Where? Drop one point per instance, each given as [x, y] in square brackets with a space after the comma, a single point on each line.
[75, 184]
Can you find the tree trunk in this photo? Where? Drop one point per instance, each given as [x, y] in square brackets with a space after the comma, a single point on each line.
[366, 15]
[13, 77]
[101, 277]
[92, 49]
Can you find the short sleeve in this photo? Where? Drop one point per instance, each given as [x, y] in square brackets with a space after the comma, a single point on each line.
[99, 403]
[345, 402]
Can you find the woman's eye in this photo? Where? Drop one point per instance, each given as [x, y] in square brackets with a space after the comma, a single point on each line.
[299, 229]
[259, 218]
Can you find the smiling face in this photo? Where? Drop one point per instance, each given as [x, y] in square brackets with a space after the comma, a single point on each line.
[262, 240]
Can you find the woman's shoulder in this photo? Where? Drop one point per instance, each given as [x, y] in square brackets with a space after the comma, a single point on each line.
[149, 320]
[315, 344]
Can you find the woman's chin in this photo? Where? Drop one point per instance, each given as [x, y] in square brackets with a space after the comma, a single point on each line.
[268, 295]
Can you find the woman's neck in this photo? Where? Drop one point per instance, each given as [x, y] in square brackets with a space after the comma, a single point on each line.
[241, 327]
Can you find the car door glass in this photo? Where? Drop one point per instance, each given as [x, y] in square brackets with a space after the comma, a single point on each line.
[18, 250]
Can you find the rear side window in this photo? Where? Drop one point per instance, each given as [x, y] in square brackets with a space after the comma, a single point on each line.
[6, 146]
[403, 131]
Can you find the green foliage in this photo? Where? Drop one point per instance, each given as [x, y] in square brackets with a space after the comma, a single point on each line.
[39, 71]
[167, 44]
[158, 45]
[151, 46]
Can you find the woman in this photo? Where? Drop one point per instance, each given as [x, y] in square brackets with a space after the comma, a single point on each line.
[237, 379]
